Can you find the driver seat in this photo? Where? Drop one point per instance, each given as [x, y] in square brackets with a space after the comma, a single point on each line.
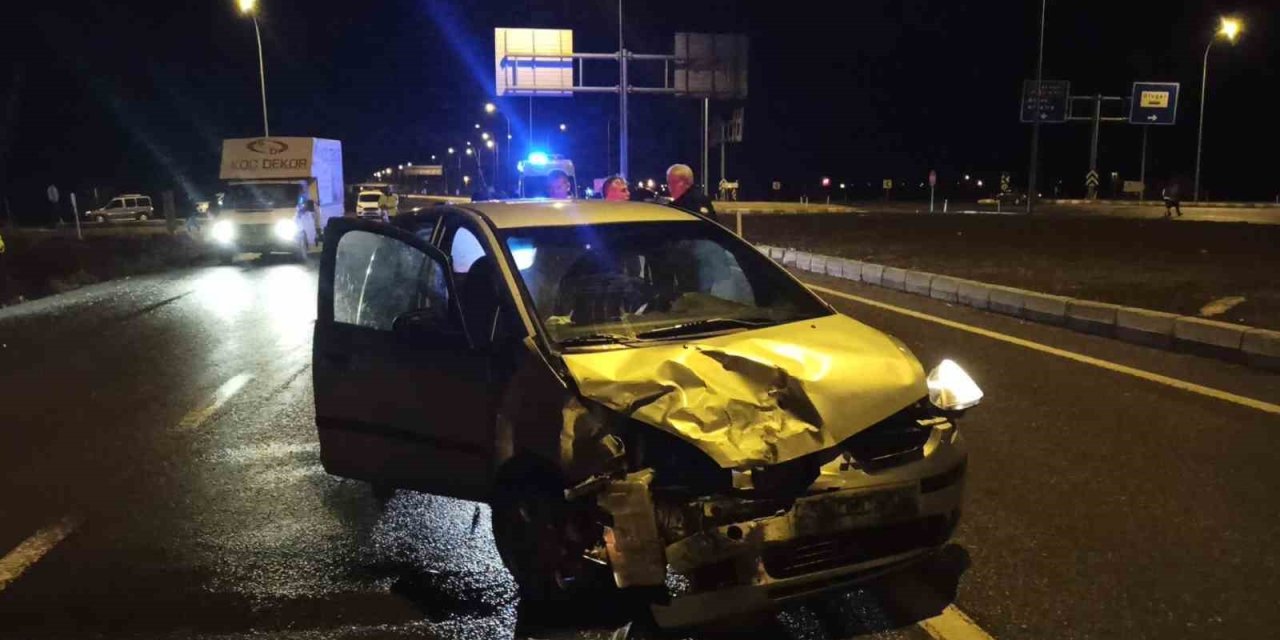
[481, 301]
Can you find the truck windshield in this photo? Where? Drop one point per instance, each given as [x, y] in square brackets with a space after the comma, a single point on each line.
[639, 281]
[262, 196]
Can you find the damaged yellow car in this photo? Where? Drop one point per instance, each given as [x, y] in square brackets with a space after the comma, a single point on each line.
[642, 397]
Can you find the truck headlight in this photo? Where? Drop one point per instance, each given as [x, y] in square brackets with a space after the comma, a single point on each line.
[223, 231]
[285, 229]
[951, 389]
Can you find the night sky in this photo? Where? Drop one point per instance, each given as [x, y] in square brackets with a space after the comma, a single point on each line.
[132, 96]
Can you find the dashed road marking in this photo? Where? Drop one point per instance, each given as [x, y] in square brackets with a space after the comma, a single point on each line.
[953, 624]
[224, 393]
[1183, 385]
[29, 551]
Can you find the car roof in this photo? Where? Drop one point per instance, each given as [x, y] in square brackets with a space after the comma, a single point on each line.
[512, 214]
[132, 195]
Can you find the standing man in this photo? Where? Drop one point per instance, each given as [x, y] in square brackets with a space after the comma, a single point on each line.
[1172, 201]
[683, 195]
[616, 189]
[558, 186]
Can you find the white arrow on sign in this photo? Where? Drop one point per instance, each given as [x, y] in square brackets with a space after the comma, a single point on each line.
[1152, 118]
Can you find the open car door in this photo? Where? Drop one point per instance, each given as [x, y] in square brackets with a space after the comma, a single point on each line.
[401, 398]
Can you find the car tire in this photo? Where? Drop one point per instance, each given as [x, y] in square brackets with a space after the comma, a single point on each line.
[529, 517]
[142, 217]
[100, 219]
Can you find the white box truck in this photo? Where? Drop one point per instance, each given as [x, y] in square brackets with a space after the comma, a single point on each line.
[280, 193]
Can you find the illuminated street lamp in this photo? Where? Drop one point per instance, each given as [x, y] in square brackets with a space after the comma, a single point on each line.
[250, 8]
[488, 144]
[1228, 28]
[490, 108]
[484, 136]
[469, 150]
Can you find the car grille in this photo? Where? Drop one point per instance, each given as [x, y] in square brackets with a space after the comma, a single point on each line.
[822, 553]
[894, 441]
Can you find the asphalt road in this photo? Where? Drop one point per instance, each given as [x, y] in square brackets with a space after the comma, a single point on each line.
[161, 480]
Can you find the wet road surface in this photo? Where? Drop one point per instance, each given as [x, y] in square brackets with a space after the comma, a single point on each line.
[161, 480]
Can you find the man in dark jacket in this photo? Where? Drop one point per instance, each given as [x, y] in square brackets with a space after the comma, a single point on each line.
[1172, 199]
[684, 196]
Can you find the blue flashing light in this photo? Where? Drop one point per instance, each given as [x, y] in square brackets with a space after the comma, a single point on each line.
[538, 159]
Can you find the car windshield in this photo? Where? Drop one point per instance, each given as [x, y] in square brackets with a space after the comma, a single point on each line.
[262, 196]
[370, 197]
[618, 283]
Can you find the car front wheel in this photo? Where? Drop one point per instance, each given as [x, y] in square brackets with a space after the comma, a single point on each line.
[142, 217]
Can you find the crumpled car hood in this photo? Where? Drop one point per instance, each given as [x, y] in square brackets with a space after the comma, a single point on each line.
[758, 397]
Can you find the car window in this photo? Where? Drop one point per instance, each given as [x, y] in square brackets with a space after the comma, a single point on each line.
[638, 279]
[377, 279]
[115, 204]
[131, 202]
[144, 202]
[465, 250]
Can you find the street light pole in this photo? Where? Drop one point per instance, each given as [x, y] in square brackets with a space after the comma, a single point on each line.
[262, 78]
[1035, 126]
[1204, 81]
[623, 88]
[250, 8]
[1229, 29]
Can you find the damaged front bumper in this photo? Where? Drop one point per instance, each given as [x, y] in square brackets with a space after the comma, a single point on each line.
[852, 525]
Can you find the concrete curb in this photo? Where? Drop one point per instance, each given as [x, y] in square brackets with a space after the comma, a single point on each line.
[1237, 343]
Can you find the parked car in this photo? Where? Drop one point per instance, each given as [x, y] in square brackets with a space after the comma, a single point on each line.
[130, 206]
[645, 400]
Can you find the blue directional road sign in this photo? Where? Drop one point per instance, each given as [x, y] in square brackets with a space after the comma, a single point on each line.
[1154, 103]
[1049, 105]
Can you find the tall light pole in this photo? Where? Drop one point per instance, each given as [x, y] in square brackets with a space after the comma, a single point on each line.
[1032, 192]
[491, 108]
[250, 8]
[623, 87]
[1229, 28]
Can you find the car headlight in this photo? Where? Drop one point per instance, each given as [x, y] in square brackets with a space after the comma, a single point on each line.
[285, 229]
[951, 389]
[223, 231]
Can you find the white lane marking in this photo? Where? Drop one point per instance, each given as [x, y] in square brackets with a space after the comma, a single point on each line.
[29, 551]
[220, 397]
[1183, 385]
[953, 624]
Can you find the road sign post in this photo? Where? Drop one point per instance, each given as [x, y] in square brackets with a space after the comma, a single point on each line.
[1153, 103]
[1043, 101]
[888, 186]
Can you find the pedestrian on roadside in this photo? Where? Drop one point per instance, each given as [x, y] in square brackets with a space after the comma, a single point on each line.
[684, 196]
[1172, 200]
[616, 189]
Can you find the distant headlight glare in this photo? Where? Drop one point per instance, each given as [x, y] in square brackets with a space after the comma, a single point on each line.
[951, 389]
[223, 231]
[285, 229]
